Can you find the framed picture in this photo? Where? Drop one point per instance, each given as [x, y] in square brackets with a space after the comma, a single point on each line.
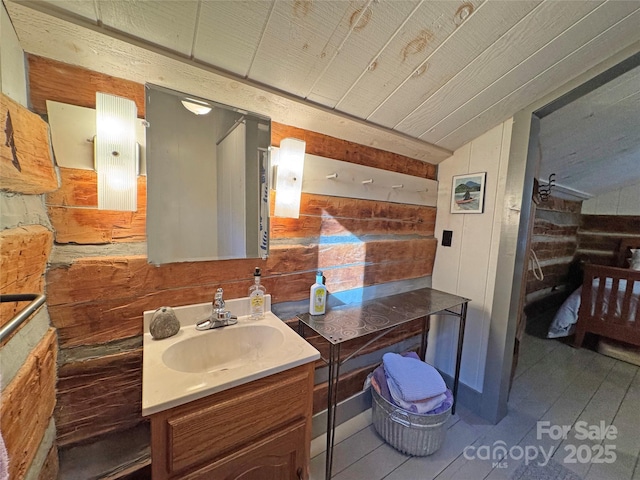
[467, 193]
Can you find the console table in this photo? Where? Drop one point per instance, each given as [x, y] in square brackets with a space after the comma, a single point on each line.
[377, 318]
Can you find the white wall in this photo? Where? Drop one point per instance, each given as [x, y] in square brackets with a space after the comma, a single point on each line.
[468, 267]
[625, 201]
[13, 79]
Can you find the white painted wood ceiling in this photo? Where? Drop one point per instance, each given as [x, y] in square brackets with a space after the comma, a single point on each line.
[439, 72]
[593, 143]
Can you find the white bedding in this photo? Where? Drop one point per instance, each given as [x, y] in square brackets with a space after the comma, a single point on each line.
[564, 322]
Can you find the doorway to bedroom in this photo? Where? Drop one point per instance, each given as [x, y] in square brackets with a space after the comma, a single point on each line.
[586, 200]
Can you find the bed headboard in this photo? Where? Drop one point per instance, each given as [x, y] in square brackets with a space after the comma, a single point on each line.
[626, 244]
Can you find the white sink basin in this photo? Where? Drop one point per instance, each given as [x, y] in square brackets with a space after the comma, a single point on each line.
[194, 364]
[223, 348]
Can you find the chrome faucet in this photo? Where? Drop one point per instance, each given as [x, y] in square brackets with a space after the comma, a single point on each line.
[219, 316]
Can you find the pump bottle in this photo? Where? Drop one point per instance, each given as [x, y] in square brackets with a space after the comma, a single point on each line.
[318, 296]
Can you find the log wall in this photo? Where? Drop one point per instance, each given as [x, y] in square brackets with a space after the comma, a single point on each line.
[29, 354]
[599, 236]
[554, 241]
[96, 302]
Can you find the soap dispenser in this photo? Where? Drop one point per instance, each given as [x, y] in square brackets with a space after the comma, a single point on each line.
[318, 296]
[256, 297]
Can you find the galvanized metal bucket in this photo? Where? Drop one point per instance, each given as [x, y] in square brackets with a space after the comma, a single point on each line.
[410, 433]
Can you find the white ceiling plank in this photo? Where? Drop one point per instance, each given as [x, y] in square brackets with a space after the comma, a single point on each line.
[93, 49]
[551, 54]
[614, 109]
[510, 51]
[81, 8]
[605, 174]
[300, 41]
[616, 38]
[430, 25]
[361, 50]
[601, 130]
[492, 20]
[228, 33]
[167, 23]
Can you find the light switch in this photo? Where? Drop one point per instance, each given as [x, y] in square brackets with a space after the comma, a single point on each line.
[446, 238]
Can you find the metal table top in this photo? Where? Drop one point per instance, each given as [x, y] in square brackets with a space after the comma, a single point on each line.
[346, 322]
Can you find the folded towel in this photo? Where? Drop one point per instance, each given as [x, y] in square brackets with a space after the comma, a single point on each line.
[412, 379]
[379, 383]
[421, 406]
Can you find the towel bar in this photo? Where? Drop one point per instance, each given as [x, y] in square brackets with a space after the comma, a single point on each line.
[36, 301]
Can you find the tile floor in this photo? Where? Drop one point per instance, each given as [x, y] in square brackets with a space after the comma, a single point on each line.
[554, 383]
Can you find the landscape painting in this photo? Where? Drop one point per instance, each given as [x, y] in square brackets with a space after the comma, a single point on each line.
[467, 194]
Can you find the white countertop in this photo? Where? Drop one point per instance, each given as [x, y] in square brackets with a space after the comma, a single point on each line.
[164, 387]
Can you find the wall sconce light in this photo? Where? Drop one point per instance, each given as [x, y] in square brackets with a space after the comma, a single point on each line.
[197, 107]
[116, 153]
[289, 177]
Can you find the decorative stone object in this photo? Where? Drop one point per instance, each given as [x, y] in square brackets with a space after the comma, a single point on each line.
[164, 323]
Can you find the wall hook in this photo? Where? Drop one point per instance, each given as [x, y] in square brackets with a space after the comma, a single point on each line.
[365, 182]
[397, 186]
[545, 190]
[332, 175]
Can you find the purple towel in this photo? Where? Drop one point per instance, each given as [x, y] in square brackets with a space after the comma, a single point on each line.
[381, 380]
[412, 379]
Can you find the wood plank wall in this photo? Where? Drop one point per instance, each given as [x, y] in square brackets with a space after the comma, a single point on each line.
[96, 302]
[599, 236]
[28, 395]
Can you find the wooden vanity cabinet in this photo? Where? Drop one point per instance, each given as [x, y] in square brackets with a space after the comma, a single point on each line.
[257, 431]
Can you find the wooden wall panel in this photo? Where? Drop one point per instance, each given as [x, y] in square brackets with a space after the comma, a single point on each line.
[24, 252]
[73, 211]
[26, 165]
[27, 405]
[79, 188]
[98, 396]
[554, 241]
[93, 226]
[612, 224]
[330, 147]
[52, 80]
[600, 235]
[49, 80]
[100, 300]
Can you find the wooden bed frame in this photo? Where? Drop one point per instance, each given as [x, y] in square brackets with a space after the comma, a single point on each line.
[607, 323]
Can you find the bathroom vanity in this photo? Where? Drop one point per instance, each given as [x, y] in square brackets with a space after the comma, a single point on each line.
[261, 429]
[229, 403]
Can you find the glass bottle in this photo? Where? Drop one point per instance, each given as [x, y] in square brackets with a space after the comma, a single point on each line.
[256, 297]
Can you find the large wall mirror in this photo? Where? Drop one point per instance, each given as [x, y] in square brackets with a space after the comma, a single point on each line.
[207, 185]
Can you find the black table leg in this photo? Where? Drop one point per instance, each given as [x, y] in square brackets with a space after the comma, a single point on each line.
[332, 402]
[426, 324]
[456, 378]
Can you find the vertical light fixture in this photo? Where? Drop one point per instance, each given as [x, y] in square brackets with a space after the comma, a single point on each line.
[289, 177]
[116, 153]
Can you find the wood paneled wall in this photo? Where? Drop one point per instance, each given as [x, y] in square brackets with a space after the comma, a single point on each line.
[96, 302]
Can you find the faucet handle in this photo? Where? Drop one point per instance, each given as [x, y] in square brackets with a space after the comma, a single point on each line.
[218, 301]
